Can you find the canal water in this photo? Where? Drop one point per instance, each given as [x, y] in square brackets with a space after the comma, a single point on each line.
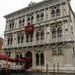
[37, 73]
[42, 73]
[29, 73]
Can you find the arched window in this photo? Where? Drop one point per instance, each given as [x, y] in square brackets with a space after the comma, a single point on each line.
[59, 32]
[29, 56]
[23, 20]
[42, 35]
[42, 14]
[53, 13]
[31, 37]
[18, 38]
[11, 40]
[37, 36]
[27, 38]
[57, 12]
[37, 59]
[8, 41]
[32, 17]
[20, 56]
[38, 16]
[17, 57]
[10, 26]
[28, 23]
[20, 21]
[22, 38]
[42, 59]
[53, 33]
[13, 23]
[28, 19]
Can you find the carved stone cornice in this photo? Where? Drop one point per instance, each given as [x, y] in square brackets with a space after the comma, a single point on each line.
[33, 7]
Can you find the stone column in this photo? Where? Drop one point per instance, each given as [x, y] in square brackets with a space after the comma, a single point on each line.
[61, 7]
[17, 22]
[34, 59]
[14, 39]
[34, 18]
[25, 24]
[45, 58]
[45, 16]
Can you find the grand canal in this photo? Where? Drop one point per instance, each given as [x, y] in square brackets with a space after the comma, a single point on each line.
[36, 73]
[4, 72]
[28, 73]
[40, 73]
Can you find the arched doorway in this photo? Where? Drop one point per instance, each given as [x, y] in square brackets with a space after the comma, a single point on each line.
[29, 60]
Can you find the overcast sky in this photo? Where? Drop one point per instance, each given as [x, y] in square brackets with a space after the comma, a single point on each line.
[8, 6]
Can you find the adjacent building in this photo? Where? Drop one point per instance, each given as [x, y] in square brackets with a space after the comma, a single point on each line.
[44, 32]
[1, 43]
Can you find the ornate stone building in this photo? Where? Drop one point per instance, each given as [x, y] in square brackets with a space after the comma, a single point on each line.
[44, 32]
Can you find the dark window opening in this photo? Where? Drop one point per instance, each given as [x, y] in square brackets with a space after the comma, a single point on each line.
[37, 36]
[29, 55]
[10, 26]
[42, 35]
[28, 19]
[32, 18]
[11, 40]
[21, 58]
[22, 38]
[28, 23]
[37, 59]
[18, 39]
[42, 58]
[57, 12]
[31, 37]
[23, 20]
[53, 13]
[27, 38]
[20, 21]
[8, 41]
[42, 15]
[17, 57]
[59, 32]
[38, 16]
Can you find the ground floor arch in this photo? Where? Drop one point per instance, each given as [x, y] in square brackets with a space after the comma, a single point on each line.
[29, 59]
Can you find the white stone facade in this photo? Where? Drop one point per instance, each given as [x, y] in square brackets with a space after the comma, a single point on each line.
[52, 39]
